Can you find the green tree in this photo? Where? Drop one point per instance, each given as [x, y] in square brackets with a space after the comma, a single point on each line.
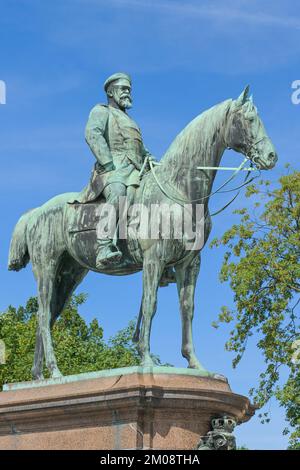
[262, 264]
[79, 347]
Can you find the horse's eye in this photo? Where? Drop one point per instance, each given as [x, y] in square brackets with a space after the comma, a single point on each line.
[250, 116]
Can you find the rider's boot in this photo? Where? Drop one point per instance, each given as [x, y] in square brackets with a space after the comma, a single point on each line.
[107, 254]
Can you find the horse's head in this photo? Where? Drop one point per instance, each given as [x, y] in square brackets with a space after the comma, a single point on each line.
[246, 134]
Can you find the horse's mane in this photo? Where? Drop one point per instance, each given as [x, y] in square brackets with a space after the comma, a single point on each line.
[197, 137]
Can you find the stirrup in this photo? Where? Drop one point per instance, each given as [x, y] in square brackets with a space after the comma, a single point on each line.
[108, 257]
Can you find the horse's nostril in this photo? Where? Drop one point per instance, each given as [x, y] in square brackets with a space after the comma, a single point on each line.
[273, 157]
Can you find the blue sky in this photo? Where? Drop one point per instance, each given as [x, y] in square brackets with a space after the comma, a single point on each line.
[183, 57]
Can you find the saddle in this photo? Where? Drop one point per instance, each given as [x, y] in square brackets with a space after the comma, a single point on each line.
[81, 227]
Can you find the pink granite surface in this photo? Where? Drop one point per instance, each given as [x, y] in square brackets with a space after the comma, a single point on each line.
[156, 411]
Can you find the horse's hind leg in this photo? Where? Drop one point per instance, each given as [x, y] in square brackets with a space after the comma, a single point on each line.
[46, 285]
[186, 282]
[69, 275]
[37, 368]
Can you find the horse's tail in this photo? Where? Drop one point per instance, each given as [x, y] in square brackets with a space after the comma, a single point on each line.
[18, 251]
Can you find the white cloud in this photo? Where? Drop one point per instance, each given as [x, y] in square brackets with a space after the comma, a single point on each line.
[150, 37]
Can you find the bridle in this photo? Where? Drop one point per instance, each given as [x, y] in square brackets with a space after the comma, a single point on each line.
[249, 153]
[248, 158]
[219, 190]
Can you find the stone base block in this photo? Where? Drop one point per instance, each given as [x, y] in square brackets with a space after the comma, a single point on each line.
[132, 408]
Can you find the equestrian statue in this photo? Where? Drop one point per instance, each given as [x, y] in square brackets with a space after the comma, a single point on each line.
[62, 239]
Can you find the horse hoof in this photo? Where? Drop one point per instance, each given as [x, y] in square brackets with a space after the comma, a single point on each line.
[147, 363]
[56, 374]
[197, 366]
[38, 377]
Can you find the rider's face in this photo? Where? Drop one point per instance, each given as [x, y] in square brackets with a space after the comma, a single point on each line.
[121, 94]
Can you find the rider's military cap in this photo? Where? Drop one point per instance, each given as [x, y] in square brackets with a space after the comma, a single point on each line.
[114, 77]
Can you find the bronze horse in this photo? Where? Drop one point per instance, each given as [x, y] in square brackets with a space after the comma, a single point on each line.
[60, 238]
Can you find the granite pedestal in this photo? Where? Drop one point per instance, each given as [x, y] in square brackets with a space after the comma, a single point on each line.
[130, 408]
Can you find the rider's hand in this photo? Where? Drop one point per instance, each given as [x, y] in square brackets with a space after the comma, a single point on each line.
[109, 166]
[152, 158]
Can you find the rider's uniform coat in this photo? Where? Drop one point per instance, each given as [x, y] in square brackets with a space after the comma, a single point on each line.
[113, 137]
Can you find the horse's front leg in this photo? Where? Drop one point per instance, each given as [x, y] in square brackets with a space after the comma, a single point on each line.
[186, 277]
[152, 271]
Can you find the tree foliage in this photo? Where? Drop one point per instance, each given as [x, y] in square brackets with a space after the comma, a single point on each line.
[262, 264]
[79, 347]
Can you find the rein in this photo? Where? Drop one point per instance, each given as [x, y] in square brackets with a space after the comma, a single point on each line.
[218, 190]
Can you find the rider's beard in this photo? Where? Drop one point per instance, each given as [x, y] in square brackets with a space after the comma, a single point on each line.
[125, 102]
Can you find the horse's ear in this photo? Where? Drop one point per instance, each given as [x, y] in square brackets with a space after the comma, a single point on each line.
[243, 96]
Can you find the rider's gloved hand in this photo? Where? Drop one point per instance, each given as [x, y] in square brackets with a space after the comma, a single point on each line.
[152, 158]
[109, 166]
